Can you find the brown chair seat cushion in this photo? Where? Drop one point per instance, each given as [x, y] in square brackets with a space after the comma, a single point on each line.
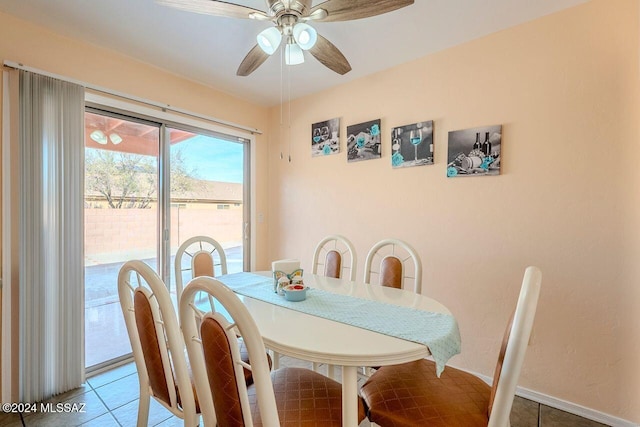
[304, 398]
[411, 394]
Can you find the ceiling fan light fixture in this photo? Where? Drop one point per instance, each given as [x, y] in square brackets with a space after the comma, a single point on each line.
[287, 15]
[99, 137]
[293, 54]
[305, 35]
[269, 40]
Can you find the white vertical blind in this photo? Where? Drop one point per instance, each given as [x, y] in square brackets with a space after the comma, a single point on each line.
[51, 236]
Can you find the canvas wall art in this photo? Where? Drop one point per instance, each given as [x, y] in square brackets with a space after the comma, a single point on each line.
[364, 141]
[325, 138]
[412, 145]
[474, 152]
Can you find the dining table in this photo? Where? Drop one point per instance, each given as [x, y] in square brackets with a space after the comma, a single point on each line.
[348, 324]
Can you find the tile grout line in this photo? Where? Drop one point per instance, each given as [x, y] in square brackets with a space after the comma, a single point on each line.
[109, 411]
[539, 415]
[101, 401]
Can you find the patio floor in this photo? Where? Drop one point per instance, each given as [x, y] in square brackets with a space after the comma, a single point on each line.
[105, 332]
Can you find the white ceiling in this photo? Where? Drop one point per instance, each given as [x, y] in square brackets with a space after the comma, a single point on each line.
[209, 49]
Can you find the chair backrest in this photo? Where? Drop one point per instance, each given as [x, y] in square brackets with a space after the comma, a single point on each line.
[514, 347]
[216, 361]
[156, 339]
[330, 255]
[201, 254]
[399, 263]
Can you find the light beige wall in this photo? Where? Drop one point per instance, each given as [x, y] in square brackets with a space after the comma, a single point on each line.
[566, 90]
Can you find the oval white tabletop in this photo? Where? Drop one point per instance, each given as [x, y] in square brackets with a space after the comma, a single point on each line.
[321, 340]
[316, 339]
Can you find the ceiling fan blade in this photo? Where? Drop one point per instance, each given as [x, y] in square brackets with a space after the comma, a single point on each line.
[252, 61]
[346, 10]
[330, 56]
[216, 8]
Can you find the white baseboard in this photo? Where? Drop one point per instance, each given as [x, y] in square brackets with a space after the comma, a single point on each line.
[563, 405]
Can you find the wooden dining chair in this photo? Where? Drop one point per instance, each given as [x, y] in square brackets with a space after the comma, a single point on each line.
[411, 394]
[288, 396]
[398, 264]
[157, 344]
[202, 255]
[330, 254]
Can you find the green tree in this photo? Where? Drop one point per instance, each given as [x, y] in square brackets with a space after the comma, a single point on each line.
[130, 181]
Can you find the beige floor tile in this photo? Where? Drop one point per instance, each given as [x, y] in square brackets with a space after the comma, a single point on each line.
[173, 422]
[105, 420]
[120, 392]
[551, 417]
[112, 375]
[93, 408]
[10, 420]
[127, 415]
[524, 413]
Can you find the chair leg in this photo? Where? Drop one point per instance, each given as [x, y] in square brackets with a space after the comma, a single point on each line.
[276, 360]
[315, 366]
[143, 407]
[191, 419]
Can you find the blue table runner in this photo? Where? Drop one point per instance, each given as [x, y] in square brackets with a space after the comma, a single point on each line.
[438, 331]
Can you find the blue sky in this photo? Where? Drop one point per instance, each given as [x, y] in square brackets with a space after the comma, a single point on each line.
[213, 159]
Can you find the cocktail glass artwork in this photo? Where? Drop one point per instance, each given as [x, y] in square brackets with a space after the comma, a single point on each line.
[415, 137]
[316, 135]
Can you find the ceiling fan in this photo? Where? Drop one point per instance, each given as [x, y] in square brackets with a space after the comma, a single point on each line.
[290, 18]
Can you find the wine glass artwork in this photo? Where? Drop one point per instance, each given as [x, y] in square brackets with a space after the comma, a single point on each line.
[325, 138]
[415, 137]
[324, 133]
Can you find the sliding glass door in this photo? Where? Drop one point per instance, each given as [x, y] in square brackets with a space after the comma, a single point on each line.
[207, 194]
[121, 222]
[150, 186]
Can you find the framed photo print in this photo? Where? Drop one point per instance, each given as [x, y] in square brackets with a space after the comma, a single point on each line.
[363, 141]
[325, 138]
[474, 152]
[412, 145]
